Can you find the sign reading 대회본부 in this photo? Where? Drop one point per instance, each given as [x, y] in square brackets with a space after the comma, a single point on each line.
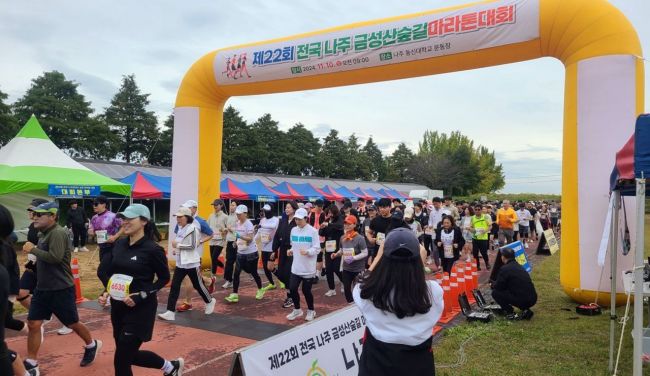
[330, 345]
[413, 38]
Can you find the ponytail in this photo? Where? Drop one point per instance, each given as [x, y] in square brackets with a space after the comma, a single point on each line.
[151, 231]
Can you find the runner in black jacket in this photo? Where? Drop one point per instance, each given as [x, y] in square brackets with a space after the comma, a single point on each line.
[281, 244]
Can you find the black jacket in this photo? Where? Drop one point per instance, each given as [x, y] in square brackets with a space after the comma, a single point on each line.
[333, 230]
[514, 279]
[282, 238]
[76, 216]
[458, 239]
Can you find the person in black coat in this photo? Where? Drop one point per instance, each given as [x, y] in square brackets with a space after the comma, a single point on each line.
[513, 287]
[281, 244]
[332, 230]
[449, 240]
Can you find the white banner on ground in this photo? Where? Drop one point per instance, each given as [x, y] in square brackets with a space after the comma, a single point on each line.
[467, 29]
[330, 345]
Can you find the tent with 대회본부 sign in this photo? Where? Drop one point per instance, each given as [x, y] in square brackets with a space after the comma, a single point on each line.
[144, 185]
[31, 162]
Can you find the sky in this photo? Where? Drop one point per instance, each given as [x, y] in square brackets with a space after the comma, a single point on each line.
[516, 110]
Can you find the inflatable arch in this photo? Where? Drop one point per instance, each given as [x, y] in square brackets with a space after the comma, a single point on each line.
[603, 93]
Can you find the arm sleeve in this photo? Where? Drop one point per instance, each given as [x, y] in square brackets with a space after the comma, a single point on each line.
[58, 243]
[363, 252]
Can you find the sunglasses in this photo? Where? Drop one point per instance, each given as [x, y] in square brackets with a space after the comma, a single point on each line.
[98, 203]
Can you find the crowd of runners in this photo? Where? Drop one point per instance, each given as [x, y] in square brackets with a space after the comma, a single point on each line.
[309, 243]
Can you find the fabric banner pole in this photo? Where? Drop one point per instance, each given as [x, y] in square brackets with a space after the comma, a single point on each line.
[638, 278]
[613, 249]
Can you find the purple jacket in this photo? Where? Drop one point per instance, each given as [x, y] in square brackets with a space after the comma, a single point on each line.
[106, 221]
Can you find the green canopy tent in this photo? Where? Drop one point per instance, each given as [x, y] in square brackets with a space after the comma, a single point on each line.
[30, 162]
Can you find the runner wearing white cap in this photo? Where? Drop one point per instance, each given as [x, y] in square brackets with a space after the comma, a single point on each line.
[267, 227]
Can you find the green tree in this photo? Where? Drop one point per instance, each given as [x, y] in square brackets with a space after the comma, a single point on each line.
[267, 154]
[95, 140]
[301, 151]
[490, 173]
[161, 155]
[134, 125]
[398, 164]
[332, 150]
[8, 124]
[236, 141]
[60, 109]
[354, 164]
[376, 158]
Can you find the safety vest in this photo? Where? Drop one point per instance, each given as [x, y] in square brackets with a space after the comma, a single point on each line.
[481, 224]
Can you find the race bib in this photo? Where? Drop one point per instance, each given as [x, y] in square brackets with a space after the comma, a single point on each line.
[449, 251]
[330, 246]
[217, 236]
[362, 219]
[102, 236]
[348, 252]
[266, 237]
[118, 286]
[480, 231]
[380, 238]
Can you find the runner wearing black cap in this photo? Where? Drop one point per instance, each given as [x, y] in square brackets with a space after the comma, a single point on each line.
[401, 308]
[107, 229]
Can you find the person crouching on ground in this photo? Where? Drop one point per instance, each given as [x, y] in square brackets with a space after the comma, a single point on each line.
[188, 250]
[401, 308]
[513, 287]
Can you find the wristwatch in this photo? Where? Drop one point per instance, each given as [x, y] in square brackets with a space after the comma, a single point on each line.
[143, 294]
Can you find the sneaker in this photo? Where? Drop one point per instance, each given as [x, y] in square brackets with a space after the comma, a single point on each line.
[76, 249]
[232, 298]
[168, 316]
[213, 282]
[288, 303]
[84, 249]
[227, 285]
[209, 308]
[183, 307]
[310, 315]
[91, 354]
[330, 293]
[260, 294]
[178, 364]
[282, 286]
[294, 314]
[527, 314]
[270, 286]
[32, 369]
[512, 316]
[63, 330]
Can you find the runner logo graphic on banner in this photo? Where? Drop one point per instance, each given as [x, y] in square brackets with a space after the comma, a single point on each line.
[520, 254]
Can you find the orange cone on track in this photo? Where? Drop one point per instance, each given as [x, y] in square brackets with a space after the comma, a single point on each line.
[469, 282]
[474, 276]
[453, 284]
[460, 277]
[77, 281]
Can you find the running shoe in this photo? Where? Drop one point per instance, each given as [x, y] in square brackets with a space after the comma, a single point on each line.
[31, 368]
[294, 314]
[168, 316]
[512, 316]
[270, 286]
[227, 285]
[213, 282]
[76, 249]
[183, 307]
[310, 315]
[232, 298]
[526, 314]
[209, 308]
[330, 293]
[63, 330]
[282, 286]
[178, 364]
[260, 294]
[288, 303]
[91, 354]
[84, 249]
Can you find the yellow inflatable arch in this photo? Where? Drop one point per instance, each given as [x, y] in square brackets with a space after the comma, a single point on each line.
[603, 93]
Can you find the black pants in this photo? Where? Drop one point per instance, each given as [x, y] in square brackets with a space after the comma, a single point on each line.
[79, 235]
[435, 253]
[105, 250]
[447, 263]
[381, 358]
[266, 258]
[247, 263]
[427, 241]
[294, 283]
[348, 278]
[480, 246]
[215, 252]
[177, 280]
[506, 300]
[283, 271]
[231, 257]
[128, 353]
[11, 322]
[332, 267]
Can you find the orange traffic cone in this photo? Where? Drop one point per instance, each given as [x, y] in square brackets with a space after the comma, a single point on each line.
[447, 312]
[453, 284]
[77, 281]
[460, 277]
[469, 282]
[474, 275]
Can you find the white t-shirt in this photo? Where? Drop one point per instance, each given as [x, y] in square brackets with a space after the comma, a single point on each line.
[245, 229]
[410, 331]
[266, 232]
[524, 217]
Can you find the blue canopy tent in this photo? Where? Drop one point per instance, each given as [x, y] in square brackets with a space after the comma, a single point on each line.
[345, 192]
[145, 185]
[257, 191]
[307, 191]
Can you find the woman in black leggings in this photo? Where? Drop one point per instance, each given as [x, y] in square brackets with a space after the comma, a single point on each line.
[131, 266]
[281, 244]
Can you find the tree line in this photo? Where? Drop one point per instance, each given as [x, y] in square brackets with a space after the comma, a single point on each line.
[128, 131]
